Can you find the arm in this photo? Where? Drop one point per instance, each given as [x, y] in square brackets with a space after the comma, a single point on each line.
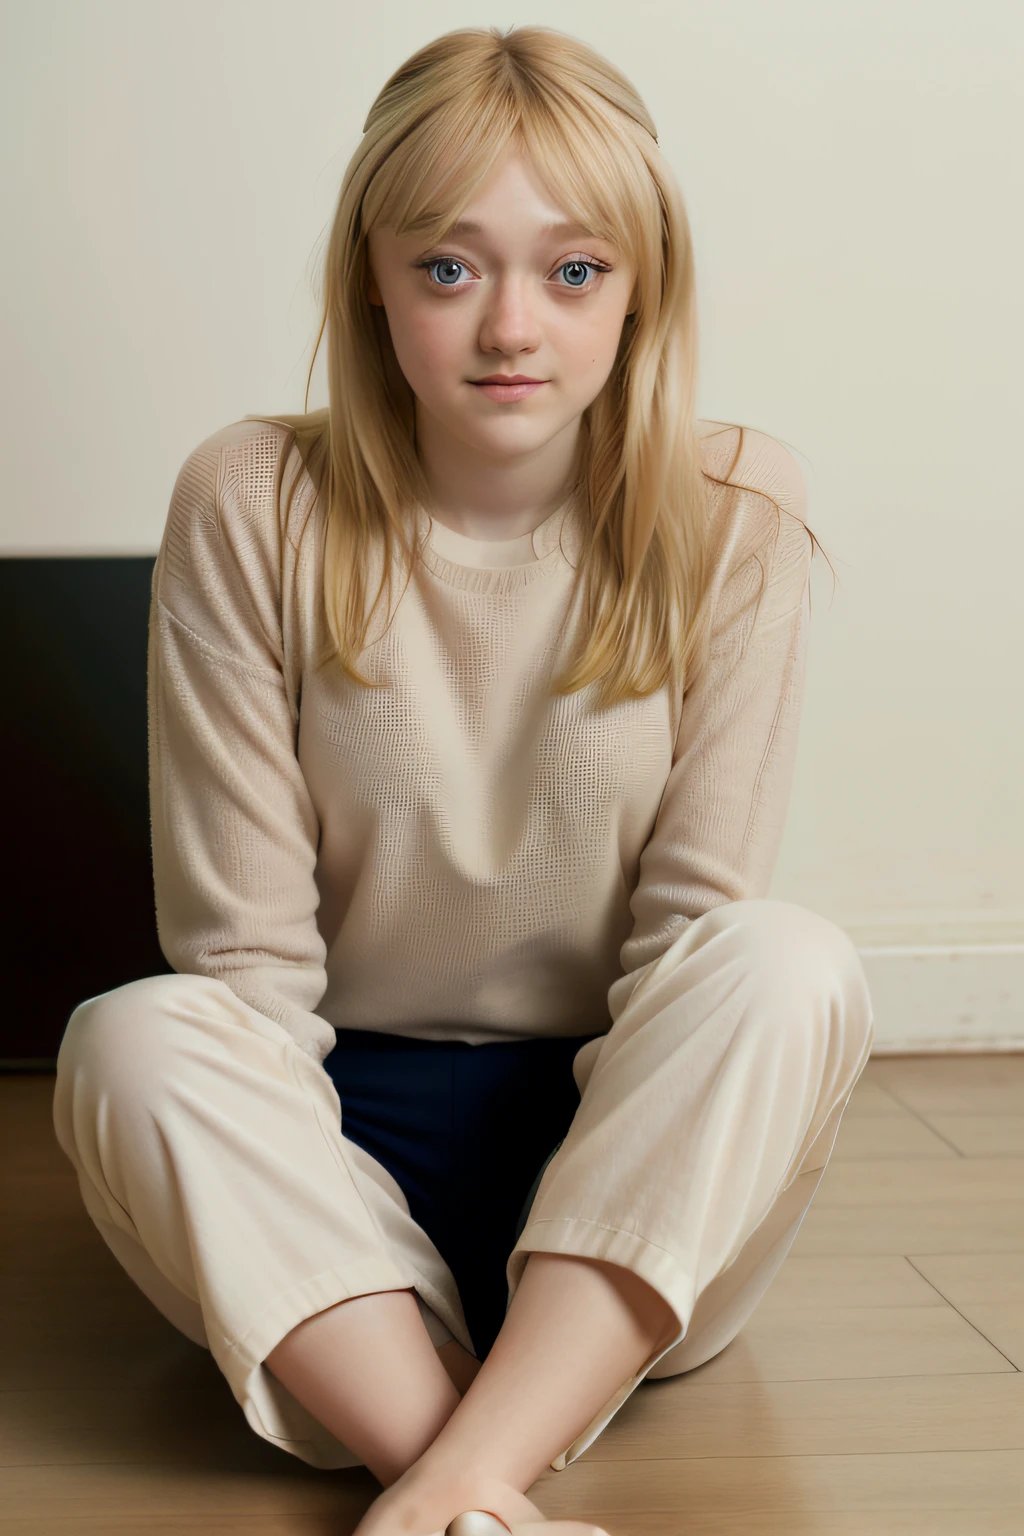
[722, 814]
[234, 831]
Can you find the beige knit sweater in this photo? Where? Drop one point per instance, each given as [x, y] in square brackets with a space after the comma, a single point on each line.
[456, 856]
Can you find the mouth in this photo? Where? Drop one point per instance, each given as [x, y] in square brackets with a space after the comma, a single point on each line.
[514, 386]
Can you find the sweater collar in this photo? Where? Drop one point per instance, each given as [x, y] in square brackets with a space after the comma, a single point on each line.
[556, 542]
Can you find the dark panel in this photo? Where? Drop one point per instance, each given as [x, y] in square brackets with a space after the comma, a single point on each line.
[78, 876]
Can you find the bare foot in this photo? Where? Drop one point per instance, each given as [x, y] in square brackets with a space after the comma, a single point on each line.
[413, 1511]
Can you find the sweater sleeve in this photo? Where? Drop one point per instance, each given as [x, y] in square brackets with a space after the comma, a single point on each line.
[721, 818]
[234, 831]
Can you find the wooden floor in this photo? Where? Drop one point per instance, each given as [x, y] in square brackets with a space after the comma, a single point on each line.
[877, 1389]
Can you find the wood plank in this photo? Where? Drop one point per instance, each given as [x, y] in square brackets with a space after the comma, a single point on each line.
[955, 1070]
[688, 1416]
[813, 1522]
[136, 1490]
[70, 1339]
[229, 1525]
[947, 1182]
[868, 1138]
[111, 1425]
[27, 1138]
[682, 1417]
[1004, 1329]
[849, 1342]
[987, 1289]
[849, 1280]
[870, 1098]
[966, 1279]
[950, 1098]
[981, 1135]
[924, 1483]
[38, 1197]
[804, 1489]
[981, 1226]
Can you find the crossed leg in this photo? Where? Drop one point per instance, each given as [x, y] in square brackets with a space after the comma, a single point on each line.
[707, 1114]
[737, 1055]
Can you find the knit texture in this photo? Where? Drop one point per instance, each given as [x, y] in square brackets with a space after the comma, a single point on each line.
[455, 856]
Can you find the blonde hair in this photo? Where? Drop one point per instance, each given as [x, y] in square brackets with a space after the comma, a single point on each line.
[432, 136]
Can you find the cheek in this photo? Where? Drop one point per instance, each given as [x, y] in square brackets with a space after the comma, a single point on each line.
[425, 340]
[594, 343]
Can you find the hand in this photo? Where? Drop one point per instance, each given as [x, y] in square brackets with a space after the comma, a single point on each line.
[408, 1508]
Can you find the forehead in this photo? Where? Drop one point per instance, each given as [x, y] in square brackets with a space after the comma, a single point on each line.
[513, 186]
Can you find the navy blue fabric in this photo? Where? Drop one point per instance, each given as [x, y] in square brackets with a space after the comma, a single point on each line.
[465, 1130]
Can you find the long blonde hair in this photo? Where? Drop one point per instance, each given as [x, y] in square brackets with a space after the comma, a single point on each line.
[430, 140]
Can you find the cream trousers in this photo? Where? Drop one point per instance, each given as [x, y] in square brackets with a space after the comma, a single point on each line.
[210, 1154]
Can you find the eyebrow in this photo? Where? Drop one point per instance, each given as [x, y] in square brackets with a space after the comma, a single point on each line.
[557, 227]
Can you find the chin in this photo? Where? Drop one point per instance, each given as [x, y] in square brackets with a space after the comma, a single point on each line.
[514, 448]
[507, 443]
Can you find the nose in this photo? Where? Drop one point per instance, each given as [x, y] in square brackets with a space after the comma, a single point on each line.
[509, 323]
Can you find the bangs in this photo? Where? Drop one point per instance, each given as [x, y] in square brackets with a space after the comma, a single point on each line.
[585, 156]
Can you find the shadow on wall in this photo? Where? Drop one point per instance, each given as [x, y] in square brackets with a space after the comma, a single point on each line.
[78, 868]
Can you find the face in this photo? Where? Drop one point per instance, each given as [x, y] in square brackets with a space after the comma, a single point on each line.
[504, 294]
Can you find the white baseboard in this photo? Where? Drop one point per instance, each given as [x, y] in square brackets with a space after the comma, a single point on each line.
[946, 998]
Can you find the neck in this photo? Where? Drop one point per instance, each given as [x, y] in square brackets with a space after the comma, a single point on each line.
[486, 496]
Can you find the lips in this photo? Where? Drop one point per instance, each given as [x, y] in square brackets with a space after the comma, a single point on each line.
[508, 378]
[509, 392]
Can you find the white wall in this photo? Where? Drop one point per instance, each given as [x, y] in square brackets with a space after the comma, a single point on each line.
[853, 175]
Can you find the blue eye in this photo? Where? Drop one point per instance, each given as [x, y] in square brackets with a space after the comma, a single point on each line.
[580, 267]
[449, 262]
[446, 271]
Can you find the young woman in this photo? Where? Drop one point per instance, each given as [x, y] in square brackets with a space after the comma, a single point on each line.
[474, 703]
